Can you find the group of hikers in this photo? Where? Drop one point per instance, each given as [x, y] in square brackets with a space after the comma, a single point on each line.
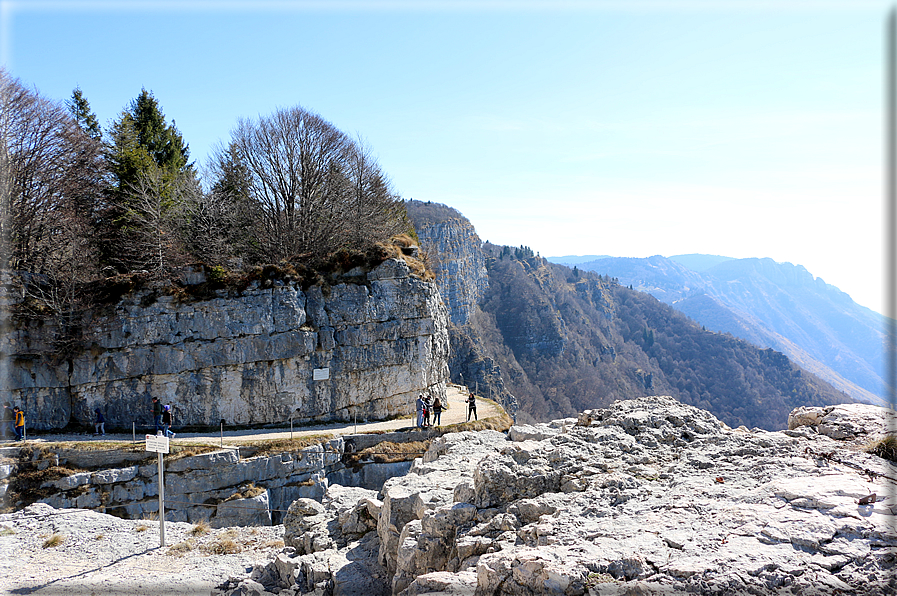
[162, 418]
[427, 407]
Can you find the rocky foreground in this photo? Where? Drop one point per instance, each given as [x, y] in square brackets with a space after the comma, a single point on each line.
[646, 497]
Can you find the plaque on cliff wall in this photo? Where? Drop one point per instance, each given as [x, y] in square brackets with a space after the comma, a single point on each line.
[320, 374]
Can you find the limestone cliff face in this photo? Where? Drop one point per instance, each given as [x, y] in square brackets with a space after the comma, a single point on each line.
[263, 356]
[456, 254]
[459, 263]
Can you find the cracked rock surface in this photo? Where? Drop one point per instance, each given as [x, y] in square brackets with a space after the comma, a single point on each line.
[648, 496]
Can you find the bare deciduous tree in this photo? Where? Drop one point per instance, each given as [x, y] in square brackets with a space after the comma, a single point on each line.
[372, 211]
[156, 212]
[51, 189]
[318, 191]
[51, 171]
[222, 224]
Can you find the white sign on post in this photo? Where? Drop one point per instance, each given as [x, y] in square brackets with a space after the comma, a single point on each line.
[157, 443]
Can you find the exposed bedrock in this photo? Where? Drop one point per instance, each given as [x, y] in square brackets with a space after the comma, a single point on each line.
[648, 496]
[248, 358]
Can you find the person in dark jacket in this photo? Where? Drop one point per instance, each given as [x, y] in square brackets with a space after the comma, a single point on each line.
[420, 406]
[428, 410]
[437, 411]
[157, 414]
[166, 422]
[471, 407]
[99, 424]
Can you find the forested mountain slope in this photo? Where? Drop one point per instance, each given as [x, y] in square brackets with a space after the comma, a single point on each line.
[551, 341]
[776, 305]
[580, 341]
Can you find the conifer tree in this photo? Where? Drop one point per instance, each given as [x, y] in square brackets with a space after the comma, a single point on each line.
[80, 110]
[223, 221]
[151, 179]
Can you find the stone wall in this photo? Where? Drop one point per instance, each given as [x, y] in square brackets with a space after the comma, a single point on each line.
[225, 488]
[206, 487]
[248, 358]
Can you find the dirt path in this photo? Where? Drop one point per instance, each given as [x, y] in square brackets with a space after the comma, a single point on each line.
[456, 412]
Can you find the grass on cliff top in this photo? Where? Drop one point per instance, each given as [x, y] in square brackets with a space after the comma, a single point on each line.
[260, 447]
[177, 451]
[501, 423]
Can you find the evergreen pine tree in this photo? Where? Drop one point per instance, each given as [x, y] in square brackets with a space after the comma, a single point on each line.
[150, 178]
[80, 110]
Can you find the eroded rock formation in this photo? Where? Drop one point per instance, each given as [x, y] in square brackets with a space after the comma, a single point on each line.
[648, 496]
[245, 359]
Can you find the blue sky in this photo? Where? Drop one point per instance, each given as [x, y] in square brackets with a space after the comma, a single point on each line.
[745, 129]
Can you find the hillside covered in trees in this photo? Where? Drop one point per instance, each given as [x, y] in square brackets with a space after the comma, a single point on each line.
[578, 340]
[565, 340]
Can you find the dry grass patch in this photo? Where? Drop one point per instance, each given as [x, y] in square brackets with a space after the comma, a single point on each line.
[398, 248]
[885, 448]
[181, 548]
[222, 546]
[141, 528]
[200, 528]
[246, 492]
[388, 453]
[27, 484]
[54, 541]
[228, 534]
[274, 446]
[501, 423]
[190, 450]
[127, 446]
[594, 579]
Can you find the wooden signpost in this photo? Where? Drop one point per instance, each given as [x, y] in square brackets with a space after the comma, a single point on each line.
[159, 444]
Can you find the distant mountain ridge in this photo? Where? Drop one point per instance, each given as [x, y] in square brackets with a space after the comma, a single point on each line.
[698, 262]
[777, 305]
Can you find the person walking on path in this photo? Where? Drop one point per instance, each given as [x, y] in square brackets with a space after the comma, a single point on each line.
[471, 407]
[157, 414]
[421, 406]
[166, 422]
[437, 411]
[99, 425]
[19, 423]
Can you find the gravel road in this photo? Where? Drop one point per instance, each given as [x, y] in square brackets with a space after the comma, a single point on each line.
[456, 412]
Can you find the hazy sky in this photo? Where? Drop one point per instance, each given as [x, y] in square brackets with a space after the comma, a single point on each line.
[745, 129]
